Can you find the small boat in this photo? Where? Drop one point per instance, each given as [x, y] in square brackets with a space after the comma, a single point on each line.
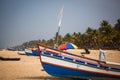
[63, 64]
[21, 52]
[31, 52]
[9, 59]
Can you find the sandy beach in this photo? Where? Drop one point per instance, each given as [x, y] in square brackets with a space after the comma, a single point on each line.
[29, 67]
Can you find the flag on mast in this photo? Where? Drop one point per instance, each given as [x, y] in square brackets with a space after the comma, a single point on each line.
[60, 16]
[59, 23]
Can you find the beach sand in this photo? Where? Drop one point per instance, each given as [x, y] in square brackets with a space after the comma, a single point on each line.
[29, 67]
[111, 55]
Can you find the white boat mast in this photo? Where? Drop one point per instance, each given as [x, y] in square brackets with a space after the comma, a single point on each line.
[59, 23]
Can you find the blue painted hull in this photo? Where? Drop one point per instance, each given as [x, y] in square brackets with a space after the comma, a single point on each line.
[62, 64]
[34, 53]
[27, 53]
[71, 73]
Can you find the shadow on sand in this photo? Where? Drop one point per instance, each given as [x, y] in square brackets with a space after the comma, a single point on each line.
[49, 78]
[59, 78]
[9, 59]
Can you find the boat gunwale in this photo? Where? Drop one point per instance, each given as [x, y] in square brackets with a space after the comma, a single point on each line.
[97, 62]
[43, 62]
[82, 62]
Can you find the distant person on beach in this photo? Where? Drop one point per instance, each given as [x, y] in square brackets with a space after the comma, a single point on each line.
[86, 52]
[102, 55]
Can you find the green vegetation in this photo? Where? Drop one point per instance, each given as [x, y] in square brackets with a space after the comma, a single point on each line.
[107, 36]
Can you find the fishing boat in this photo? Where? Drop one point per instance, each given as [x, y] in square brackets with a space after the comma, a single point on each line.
[63, 64]
[21, 52]
[31, 52]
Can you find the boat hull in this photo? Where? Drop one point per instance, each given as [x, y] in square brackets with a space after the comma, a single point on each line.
[65, 68]
[35, 53]
[57, 63]
[71, 73]
[31, 53]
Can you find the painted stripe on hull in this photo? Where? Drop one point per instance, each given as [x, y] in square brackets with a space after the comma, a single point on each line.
[92, 62]
[100, 66]
[67, 72]
[55, 68]
[31, 54]
[27, 53]
[77, 66]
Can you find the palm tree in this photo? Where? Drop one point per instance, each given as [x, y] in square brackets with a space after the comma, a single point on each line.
[76, 38]
[67, 38]
[106, 31]
[117, 25]
[50, 42]
[117, 31]
[90, 33]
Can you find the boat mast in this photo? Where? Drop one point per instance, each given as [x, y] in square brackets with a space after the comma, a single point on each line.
[59, 23]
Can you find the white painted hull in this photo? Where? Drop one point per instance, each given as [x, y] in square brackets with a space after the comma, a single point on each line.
[54, 62]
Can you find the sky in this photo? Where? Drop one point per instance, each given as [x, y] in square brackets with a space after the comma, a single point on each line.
[26, 20]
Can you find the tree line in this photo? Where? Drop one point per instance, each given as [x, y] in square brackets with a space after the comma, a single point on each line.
[106, 36]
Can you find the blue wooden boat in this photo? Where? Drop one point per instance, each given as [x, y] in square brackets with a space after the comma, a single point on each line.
[31, 52]
[62, 64]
